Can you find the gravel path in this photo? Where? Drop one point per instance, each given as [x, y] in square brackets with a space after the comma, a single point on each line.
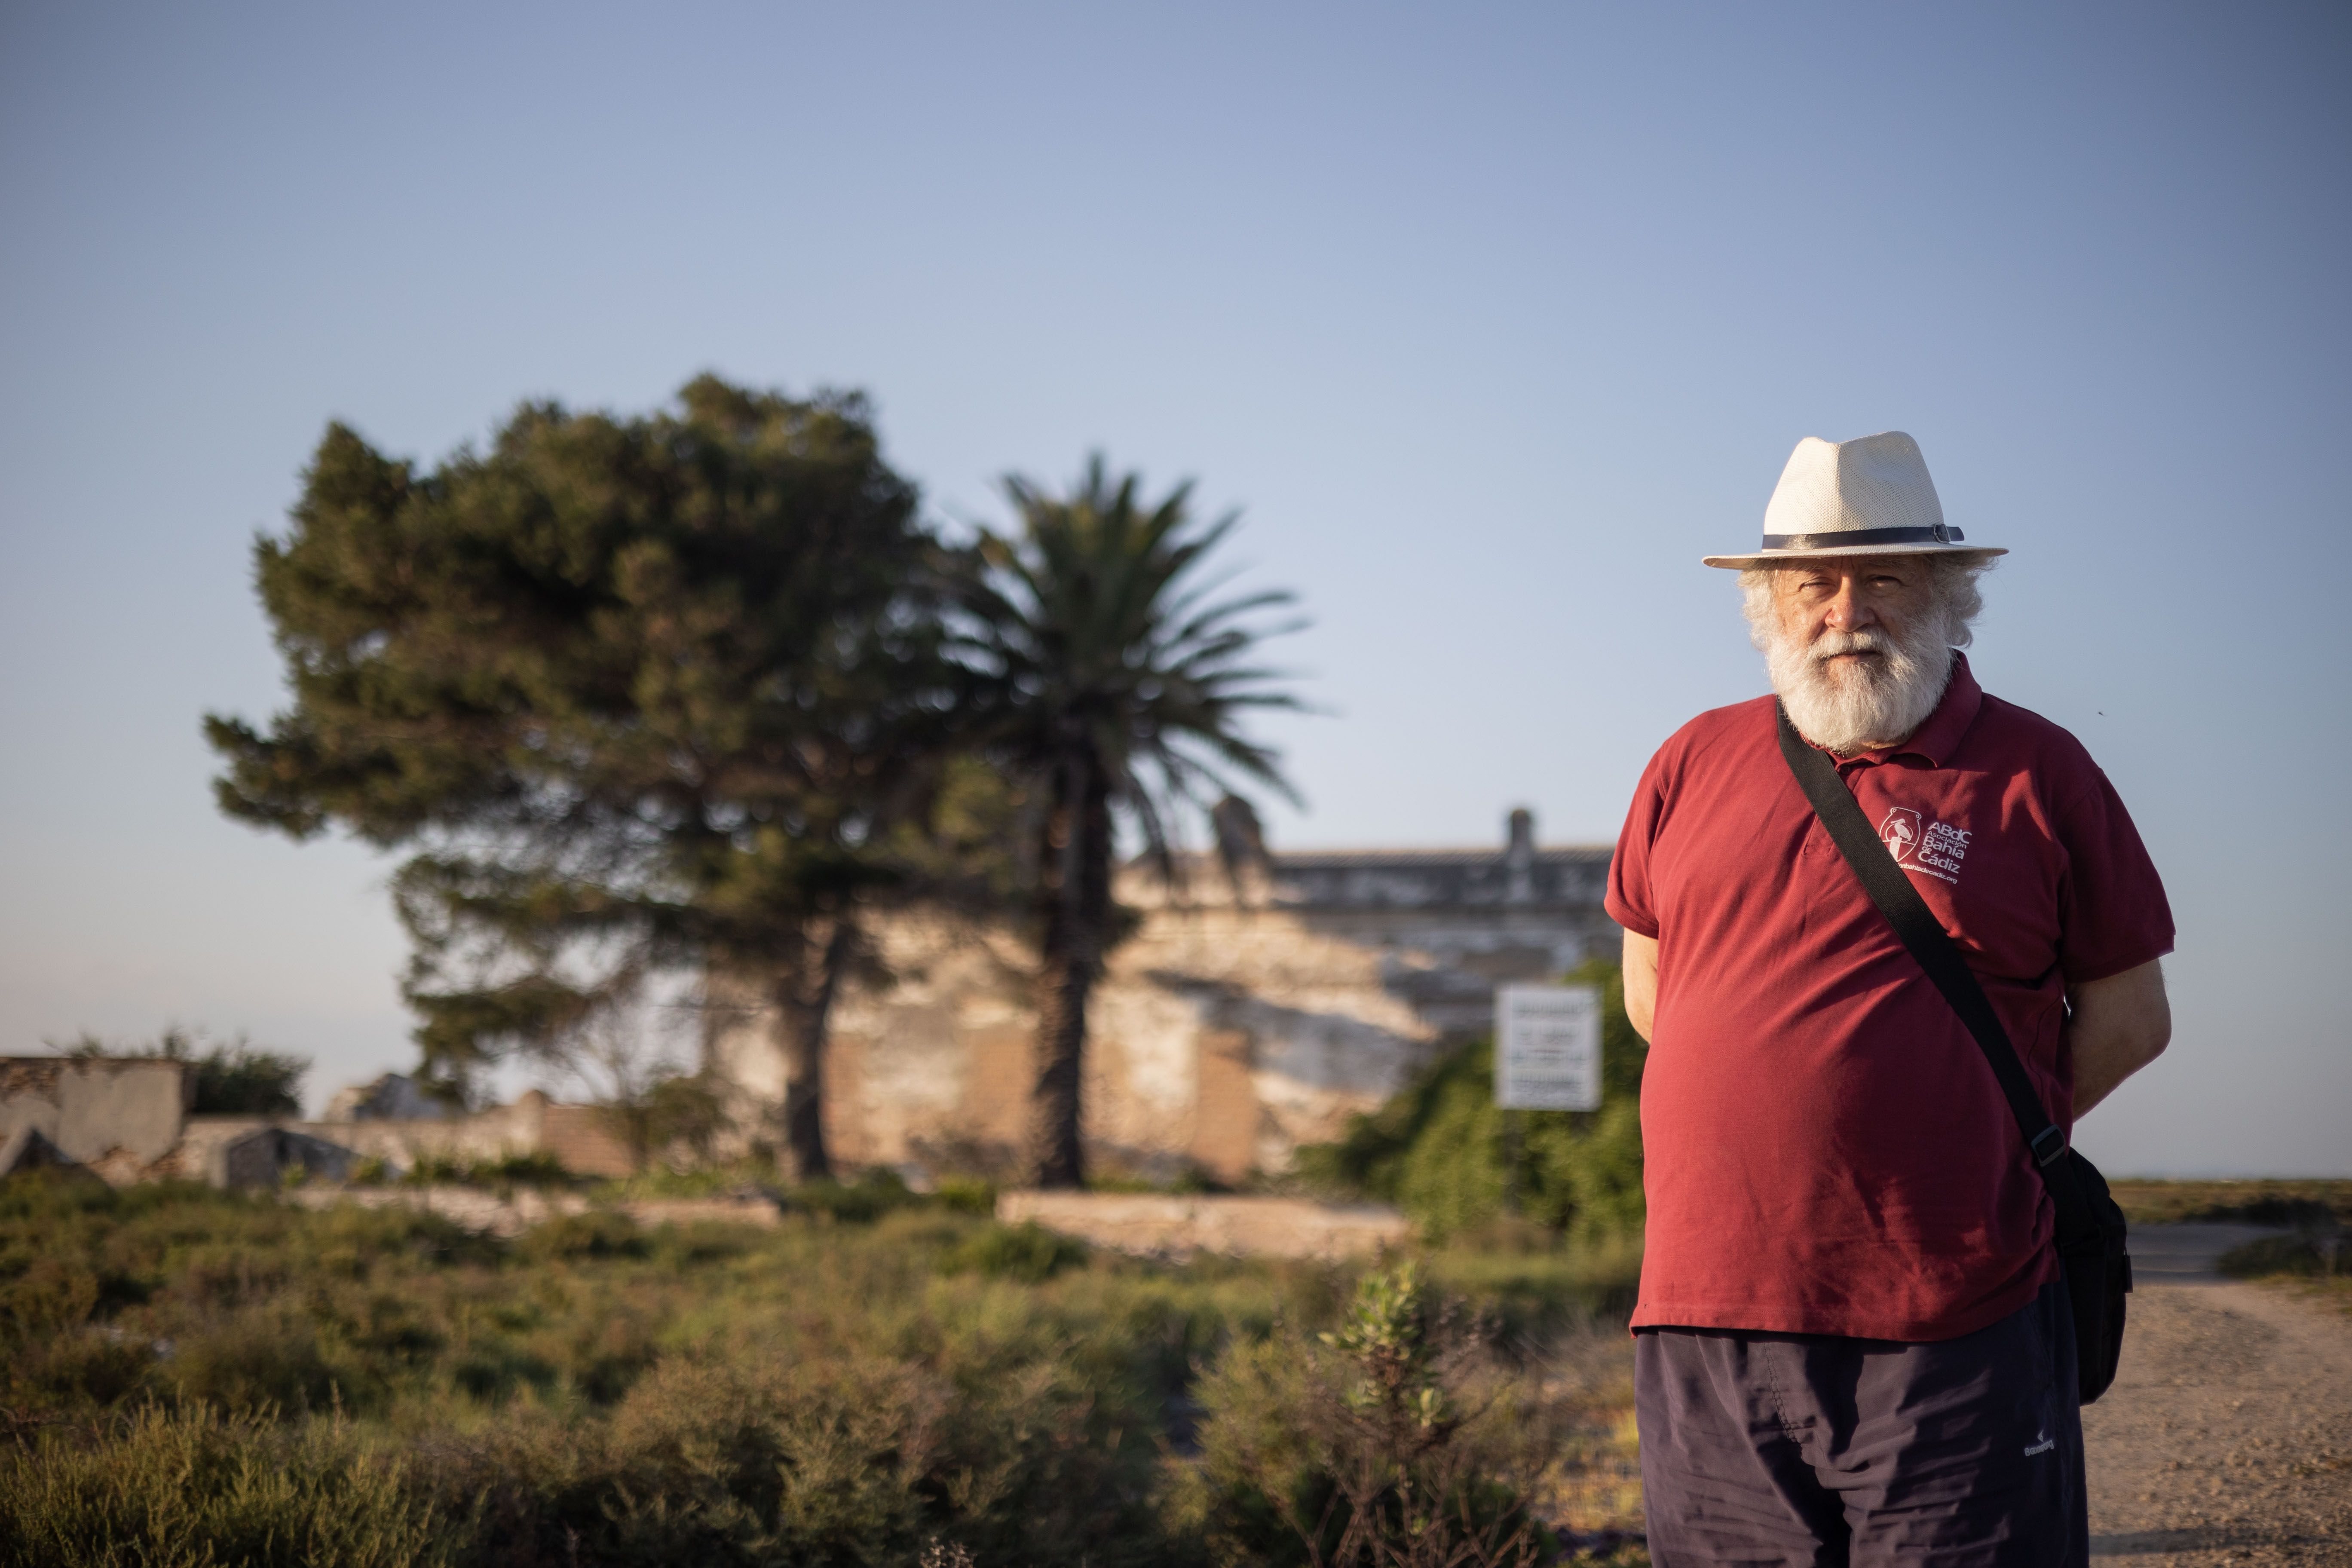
[2227, 1435]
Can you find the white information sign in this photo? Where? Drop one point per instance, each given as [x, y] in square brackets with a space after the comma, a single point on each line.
[1547, 1048]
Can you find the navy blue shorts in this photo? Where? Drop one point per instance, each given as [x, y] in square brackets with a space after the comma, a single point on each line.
[1819, 1449]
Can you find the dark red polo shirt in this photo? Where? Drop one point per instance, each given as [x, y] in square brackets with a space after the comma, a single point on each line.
[1826, 1150]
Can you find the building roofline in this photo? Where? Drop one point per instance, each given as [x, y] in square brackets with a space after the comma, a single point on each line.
[1481, 854]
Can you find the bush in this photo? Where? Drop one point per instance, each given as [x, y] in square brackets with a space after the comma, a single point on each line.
[248, 1364]
[1449, 1157]
[599, 1233]
[2311, 1255]
[232, 1079]
[873, 1194]
[193, 1487]
[1399, 1438]
[511, 1170]
[84, 1368]
[967, 1195]
[1027, 1252]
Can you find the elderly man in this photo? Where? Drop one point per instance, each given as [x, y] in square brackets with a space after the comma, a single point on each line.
[1853, 1343]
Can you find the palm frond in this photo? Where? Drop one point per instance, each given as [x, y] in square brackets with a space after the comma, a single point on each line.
[1099, 625]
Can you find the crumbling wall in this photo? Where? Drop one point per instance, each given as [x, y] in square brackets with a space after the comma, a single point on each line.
[389, 1096]
[577, 1135]
[1262, 1000]
[1224, 1035]
[265, 1156]
[489, 1134]
[117, 1117]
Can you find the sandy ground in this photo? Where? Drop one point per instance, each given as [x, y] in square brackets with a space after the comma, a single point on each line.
[2227, 1435]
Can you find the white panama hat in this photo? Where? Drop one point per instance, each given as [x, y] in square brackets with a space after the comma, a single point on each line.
[1870, 496]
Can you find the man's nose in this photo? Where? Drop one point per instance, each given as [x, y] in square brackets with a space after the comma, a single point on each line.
[1848, 610]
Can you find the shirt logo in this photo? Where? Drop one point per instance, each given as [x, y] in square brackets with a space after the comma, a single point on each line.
[1934, 849]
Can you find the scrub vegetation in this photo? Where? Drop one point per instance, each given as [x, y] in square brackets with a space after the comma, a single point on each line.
[228, 1078]
[2275, 1201]
[2314, 1251]
[1444, 1153]
[193, 1376]
[2315, 1256]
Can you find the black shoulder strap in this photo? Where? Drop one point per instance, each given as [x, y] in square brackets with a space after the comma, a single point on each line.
[1890, 889]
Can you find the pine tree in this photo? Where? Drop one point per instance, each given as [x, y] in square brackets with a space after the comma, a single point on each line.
[639, 695]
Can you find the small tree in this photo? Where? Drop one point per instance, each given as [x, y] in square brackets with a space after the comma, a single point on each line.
[1448, 1155]
[1111, 686]
[641, 697]
[1442, 1151]
[1401, 1439]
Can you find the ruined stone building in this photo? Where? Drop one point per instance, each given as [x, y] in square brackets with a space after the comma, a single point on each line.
[130, 1119]
[1254, 1009]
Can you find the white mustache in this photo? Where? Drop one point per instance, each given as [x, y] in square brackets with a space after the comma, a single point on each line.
[1830, 644]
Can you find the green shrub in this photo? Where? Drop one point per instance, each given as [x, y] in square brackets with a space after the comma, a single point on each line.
[873, 1194]
[598, 1233]
[1534, 1281]
[1444, 1152]
[49, 1295]
[601, 1351]
[232, 1077]
[166, 1488]
[508, 1170]
[77, 1370]
[699, 1242]
[1027, 1252]
[534, 1170]
[435, 1171]
[2310, 1255]
[493, 1368]
[1397, 1438]
[252, 1361]
[849, 1460]
[967, 1195]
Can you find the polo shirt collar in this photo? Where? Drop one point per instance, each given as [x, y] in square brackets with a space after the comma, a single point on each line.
[1940, 737]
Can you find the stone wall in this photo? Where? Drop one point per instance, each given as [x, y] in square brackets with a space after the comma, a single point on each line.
[578, 1136]
[1251, 1012]
[127, 1120]
[119, 1117]
[1169, 1224]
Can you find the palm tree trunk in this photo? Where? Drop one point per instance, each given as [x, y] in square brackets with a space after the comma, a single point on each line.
[803, 1010]
[1076, 867]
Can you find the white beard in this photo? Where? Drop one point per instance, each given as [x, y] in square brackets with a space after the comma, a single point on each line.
[1860, 705]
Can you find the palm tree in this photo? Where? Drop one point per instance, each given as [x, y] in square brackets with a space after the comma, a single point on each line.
[1113, 687]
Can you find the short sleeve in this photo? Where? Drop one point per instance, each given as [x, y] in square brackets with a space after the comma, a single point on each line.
[1630, 900]
[2113, 914]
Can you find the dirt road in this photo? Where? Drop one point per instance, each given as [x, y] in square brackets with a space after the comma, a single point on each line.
[2227, 1435]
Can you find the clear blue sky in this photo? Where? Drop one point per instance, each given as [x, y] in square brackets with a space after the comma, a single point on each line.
[1493, 319]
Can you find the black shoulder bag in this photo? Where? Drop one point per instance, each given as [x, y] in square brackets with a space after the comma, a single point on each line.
[2090, 1226]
